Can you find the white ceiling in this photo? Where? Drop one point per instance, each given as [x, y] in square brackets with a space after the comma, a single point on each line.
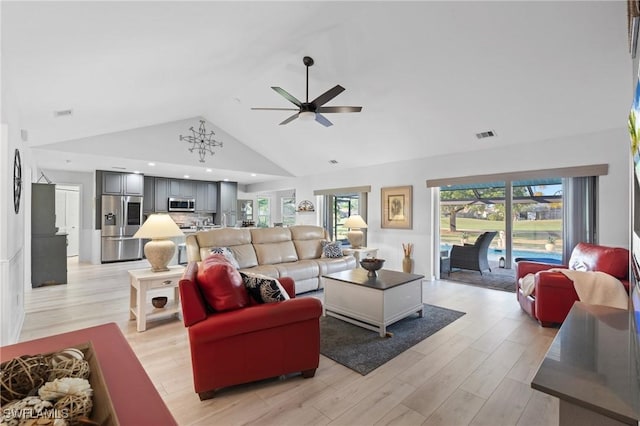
[429, 75]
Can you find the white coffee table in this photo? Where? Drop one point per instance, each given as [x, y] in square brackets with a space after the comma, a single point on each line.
[372, 302]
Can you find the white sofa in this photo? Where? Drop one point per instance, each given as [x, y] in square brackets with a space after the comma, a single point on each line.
[294, 252]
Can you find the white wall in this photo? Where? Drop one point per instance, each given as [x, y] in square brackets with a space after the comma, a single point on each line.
[611, 147]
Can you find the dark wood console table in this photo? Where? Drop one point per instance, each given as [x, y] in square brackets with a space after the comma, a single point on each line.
[135, 399]
[591, 368]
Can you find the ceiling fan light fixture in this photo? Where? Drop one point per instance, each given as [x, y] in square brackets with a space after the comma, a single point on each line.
[307, 116]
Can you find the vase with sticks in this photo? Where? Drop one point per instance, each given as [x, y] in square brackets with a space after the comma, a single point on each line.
[407, 261]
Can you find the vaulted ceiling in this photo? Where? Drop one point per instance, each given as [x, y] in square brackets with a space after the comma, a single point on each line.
[429, 76]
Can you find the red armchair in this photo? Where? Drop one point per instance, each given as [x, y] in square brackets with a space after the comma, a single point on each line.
[250, 343]
[554, 293]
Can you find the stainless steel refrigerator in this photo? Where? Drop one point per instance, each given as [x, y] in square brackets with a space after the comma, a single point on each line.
[121, 218]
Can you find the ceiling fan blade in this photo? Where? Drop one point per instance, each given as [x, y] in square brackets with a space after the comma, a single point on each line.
[327, 96]
[290, 119]
[339, 109]
[323, 120]
[275, 109]
[287, 96]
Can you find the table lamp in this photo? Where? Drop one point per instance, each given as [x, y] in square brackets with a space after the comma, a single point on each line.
[159, 251]
[355, 236]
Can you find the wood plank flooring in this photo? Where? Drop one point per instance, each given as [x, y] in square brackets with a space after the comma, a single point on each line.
[476, 371]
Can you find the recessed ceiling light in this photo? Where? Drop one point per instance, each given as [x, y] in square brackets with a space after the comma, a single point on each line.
[253, 175]
[186, 176]
[151, 164]
[209, 170]
[68, 161]
[137, 172]
[226, 180]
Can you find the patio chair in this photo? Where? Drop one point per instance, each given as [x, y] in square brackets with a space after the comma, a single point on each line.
[472, 256]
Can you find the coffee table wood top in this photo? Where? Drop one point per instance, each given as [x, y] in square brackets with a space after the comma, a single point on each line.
[386, 279]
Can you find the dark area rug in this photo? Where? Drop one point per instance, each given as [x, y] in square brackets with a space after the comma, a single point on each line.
[498, 279]
[364, 350]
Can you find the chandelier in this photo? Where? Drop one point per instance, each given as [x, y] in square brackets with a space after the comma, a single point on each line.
[201, 141]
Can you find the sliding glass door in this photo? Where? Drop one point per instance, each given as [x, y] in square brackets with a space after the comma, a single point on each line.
[527, 216]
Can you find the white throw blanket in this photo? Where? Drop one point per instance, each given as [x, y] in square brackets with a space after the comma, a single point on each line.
[594, 288]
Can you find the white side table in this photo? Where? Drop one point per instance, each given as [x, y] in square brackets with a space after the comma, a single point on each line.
[143, 280]
[361, 253]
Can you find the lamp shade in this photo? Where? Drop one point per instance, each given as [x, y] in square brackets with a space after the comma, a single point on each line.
[355, 222]
[157, 227]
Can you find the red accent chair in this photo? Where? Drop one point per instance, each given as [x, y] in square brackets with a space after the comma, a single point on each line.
[250, 343]
[554, 293]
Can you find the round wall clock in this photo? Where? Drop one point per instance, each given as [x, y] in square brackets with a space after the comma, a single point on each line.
[17, 180]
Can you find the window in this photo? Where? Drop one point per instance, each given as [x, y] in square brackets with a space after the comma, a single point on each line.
[264, 212]
[288, 211]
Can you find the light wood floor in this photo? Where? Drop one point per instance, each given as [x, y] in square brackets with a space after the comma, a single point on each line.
[475, 371]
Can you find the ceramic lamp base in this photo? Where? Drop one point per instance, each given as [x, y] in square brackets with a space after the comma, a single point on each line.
[159, 253]
[355, 237]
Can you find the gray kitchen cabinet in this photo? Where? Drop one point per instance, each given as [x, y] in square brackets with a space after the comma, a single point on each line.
[206, 193]
[180, 188]
[48, 249]
[43, 209]
[148, 202]
[161, 194]
[201, 197]
[227, 198]
[114, 183]
[212, 195]
[48, 260]
[174, 188]
[133, 184]
[187, 189]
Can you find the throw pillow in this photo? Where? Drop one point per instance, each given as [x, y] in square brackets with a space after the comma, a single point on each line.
[331, 249]
[227, 253]
[264, 289]
[221, 284]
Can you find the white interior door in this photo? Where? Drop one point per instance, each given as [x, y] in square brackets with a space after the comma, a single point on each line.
[73, 222]
[68, 216]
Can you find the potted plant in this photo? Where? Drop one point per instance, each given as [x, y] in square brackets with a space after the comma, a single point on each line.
[465, 238]
[551, 243]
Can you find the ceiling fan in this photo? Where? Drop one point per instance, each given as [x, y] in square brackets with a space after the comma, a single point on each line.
[314, 109]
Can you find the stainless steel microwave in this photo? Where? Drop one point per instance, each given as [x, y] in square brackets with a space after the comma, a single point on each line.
[182, 204]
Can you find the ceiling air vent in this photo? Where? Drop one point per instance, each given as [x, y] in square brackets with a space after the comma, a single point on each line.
[63, 113]
[333, 161]
[119, 168]
[486, 134]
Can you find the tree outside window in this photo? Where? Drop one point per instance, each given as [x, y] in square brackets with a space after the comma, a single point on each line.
[264, 212]
[288, 210]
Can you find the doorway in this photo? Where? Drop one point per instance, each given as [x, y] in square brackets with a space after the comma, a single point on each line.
[68, 216]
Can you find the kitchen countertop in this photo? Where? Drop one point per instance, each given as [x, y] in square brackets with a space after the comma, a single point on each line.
[591, 363]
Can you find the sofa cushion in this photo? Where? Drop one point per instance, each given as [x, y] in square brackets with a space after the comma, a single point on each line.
[307, 240]
[264, 289]
[221, 284]
[227, 253]
[274, 253]
[237, 240]
[331, 249]
[300, 270]
[329, 266]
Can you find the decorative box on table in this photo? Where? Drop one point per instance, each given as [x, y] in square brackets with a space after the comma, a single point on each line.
[36, 369]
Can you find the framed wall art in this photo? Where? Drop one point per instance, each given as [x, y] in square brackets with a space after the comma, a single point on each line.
[397, 207]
